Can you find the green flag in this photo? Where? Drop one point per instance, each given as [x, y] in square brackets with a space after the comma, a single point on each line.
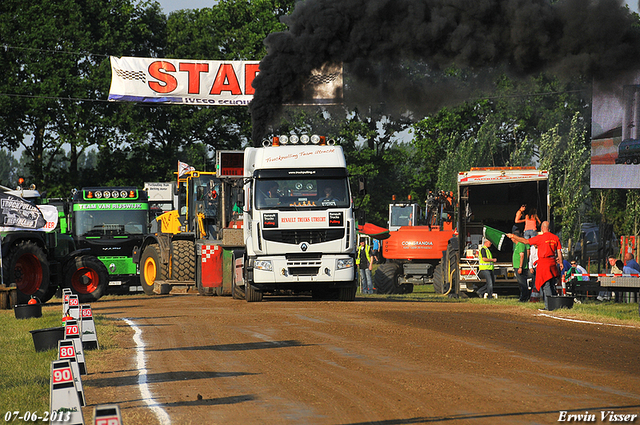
[495, 236]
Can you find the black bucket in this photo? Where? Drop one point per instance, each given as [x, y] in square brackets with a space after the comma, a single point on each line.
[46, 339]
[27, 311]
[556, 302]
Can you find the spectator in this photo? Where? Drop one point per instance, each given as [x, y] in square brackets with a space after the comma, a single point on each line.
[631, 266]
[519, 221]
[376, 251]
[365, 264]
[616, 265]
[520, 263]
[549, 257]
[577, 269]
[531, 222]
[486, 270]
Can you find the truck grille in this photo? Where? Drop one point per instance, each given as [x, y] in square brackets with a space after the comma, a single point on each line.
[304, 271]
[295, 237]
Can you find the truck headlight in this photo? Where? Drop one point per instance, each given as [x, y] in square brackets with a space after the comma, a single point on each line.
[264, 265]
[344, 263]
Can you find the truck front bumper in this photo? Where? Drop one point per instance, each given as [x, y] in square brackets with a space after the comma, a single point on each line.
[327, 269]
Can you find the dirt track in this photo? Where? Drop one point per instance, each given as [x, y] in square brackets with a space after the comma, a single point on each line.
[297, 361]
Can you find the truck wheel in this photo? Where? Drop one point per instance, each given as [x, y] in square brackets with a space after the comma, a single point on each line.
[87, 277]
[26, 265]
[183, 263]
[348, 293]
[151, 268]
[386, 279]
[252, 295]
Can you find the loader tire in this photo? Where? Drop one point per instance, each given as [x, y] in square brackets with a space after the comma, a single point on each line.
[87, 277]
[385, 279]
[152, 268]
[183, 261]
[27, 267]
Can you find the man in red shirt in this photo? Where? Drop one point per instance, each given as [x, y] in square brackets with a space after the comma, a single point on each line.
[549, 256]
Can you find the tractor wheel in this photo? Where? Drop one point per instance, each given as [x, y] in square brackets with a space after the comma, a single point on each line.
[26, 265]
[87, 277]
[386, 279]
[183, 263]
[252, 294]
[151, 268]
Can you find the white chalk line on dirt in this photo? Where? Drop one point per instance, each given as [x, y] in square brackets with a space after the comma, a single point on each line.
[141, 364]
[586, 321]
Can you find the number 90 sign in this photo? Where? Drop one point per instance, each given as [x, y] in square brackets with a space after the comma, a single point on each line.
[62, 375]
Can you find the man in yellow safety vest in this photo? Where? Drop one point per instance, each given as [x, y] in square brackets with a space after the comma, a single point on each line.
[364, 263]
[486, 270]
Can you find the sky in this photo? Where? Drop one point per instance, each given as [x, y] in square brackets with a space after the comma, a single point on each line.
[171, 5]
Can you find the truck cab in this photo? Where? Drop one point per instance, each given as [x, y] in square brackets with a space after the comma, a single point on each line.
[299, 227]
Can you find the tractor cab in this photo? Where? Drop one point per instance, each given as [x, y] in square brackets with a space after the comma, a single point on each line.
[199, 195]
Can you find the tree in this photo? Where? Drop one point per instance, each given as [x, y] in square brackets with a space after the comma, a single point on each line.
[57, 75]
[567, 159]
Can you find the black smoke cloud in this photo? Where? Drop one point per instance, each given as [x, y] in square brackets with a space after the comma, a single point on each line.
[392, 50]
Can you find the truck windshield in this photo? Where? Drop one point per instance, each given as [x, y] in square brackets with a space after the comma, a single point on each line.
[319, 193]
[110, 222]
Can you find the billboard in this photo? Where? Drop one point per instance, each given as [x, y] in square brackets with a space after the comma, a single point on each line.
[615, 133]
[209, 82]
[182, 81]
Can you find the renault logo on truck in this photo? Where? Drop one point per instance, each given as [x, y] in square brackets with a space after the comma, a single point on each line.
[304, 246]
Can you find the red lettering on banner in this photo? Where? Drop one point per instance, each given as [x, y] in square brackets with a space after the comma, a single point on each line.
[226, 80]
[250, 72]
[194, 70]
[170, 82]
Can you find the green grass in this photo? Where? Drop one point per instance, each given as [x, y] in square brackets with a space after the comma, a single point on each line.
[25, 373]
[589, 309]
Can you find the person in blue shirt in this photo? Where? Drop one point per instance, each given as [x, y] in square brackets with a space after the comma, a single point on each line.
[631, 266]
[376, 250]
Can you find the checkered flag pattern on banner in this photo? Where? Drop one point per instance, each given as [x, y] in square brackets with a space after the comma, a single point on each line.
[131, 75]
[317, 79]
[184, 168]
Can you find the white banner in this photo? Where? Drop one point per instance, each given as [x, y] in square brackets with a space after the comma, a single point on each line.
[50, 215]
[182, 81]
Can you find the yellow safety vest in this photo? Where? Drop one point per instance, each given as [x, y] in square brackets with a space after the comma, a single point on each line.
[485, 265]
[367, 252]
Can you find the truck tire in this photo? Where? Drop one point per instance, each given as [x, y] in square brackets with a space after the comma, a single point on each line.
[252, 295]
[27, 266]
[348, 293]
[151, 268]
[183, 261]
[87, 277]
[386, 279]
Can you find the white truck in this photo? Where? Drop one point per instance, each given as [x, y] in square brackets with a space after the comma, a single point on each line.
[299, 229]
[275, 219]
[489, 196]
